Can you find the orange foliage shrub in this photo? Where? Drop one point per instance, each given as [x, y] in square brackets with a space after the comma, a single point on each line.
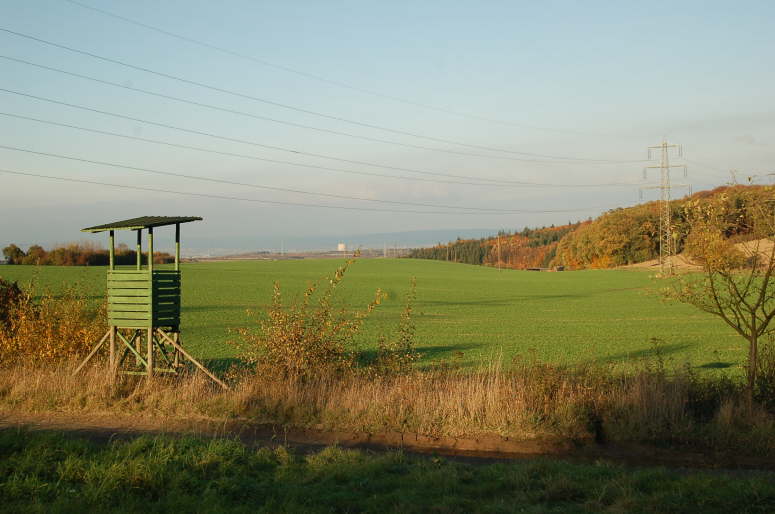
[50, 328]
[305, 337]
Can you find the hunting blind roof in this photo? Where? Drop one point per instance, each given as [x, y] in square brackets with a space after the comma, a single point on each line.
[142, 222]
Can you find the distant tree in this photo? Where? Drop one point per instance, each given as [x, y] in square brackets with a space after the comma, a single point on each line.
[737, 282]
[79, 254]
[13, 254]
[35, 255]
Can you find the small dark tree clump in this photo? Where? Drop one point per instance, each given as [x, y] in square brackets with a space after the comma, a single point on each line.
[11, 296]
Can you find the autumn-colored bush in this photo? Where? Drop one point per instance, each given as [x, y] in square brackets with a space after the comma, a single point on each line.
[49, 328]
[737, 282]
[307, 336]
[396, 355]
[310, 336]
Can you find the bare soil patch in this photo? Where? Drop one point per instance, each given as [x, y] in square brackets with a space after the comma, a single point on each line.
[683, 262]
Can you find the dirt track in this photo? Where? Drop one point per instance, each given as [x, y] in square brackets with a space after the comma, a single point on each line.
[487, 448]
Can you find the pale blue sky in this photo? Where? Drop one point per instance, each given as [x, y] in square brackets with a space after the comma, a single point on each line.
[613, 77]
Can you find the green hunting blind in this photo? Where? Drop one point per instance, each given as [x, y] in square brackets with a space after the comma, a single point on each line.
[144, 306]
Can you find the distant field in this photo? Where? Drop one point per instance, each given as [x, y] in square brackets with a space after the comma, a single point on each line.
[568, 317]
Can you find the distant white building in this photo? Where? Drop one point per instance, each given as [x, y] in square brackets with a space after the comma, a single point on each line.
[341, 247]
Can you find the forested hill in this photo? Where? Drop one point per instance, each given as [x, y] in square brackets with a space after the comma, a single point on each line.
[529, 248]
[618, 237]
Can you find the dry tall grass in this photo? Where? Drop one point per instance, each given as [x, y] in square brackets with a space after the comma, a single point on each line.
[529, 402]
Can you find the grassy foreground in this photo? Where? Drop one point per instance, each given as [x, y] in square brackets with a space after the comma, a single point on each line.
[47, 472]
[471, 314]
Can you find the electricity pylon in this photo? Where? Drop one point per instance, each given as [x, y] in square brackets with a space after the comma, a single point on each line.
[666, 234]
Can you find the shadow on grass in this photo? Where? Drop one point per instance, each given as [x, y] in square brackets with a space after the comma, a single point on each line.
[224, 364]
[431, 356]
[717, 365]
[212, 308]
[511, 300]
[662, 350]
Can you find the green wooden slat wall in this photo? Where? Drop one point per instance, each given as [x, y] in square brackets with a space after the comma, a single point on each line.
[136, 301]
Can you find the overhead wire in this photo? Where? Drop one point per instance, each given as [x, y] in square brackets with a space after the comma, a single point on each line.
[257, 186]
[297, 109]
[274, 147]
[266, 118]
[492, 182]
[248, 156]
[298, 164]
[273, 202]
[316, 77]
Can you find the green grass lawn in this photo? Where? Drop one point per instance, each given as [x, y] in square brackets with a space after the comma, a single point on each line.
[463, 312]
[47, 472]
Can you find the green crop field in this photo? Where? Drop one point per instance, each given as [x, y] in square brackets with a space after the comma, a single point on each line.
[468, 313]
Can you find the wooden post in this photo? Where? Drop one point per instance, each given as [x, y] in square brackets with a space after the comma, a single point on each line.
[111, 267]
[92, 353]
[195, 362]
[177, 246]
[139, 249]
[150, 353]
[112, 250]
[176, 335]
[149, 361]
[138, 342]
[150, 249]
[112, 349]
[176, 338]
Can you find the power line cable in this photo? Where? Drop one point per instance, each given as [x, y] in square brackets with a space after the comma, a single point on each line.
[248, 156]
[265, 118]
[231, 139]
[272, 147]
[257, 186]
[273, 202]
[298, 109]
[319, 78]
[723, 173]
[711, 166]
[298, 164]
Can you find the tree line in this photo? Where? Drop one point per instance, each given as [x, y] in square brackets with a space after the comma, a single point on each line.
[528, 248]
[78, 254]
[618, 237]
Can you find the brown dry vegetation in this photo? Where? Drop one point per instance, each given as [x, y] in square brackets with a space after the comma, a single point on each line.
[530, 401]
[51, 328]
